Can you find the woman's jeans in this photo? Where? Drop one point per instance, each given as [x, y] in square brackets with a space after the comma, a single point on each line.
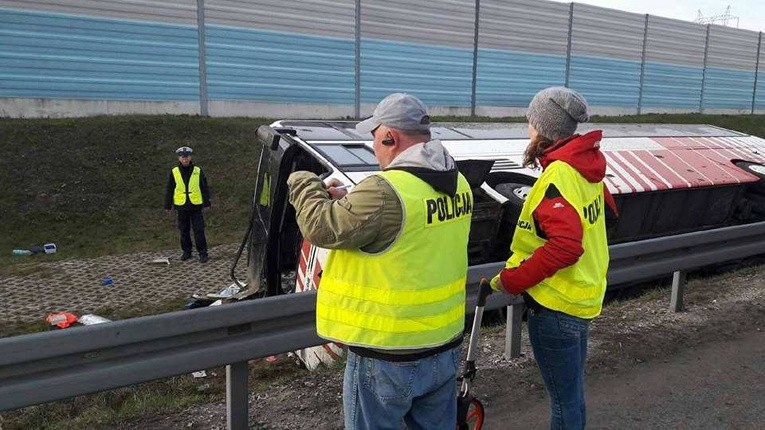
[381, 394]
[559, 342]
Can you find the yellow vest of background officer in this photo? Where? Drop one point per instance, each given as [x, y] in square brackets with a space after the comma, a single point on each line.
[194, 191]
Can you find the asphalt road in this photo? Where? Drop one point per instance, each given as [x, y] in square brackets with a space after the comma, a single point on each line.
[716, 385]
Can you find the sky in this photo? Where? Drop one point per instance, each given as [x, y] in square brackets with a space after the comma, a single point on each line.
[751, 13]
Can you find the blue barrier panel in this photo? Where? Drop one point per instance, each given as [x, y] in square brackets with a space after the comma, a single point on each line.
[728, 88]
[439, 76]
[508, 78]
[49, 55]
[606, 81]
[671, 86]
[271, 66]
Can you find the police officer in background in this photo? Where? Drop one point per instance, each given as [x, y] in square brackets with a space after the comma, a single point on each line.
[393, 288]
[188, 193]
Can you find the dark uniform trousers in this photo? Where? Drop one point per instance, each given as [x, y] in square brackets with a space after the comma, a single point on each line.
[192, 219]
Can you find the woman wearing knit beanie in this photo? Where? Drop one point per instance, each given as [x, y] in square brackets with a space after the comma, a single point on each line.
[559, 253]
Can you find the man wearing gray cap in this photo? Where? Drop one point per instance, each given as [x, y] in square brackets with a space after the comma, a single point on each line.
[559, 253]
[393, 289]
[187, 192]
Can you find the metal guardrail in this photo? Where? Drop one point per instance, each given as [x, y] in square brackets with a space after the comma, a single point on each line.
[44, 367]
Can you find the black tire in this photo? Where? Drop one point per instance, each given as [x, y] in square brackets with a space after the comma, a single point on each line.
[511, 210]
[496, 178]
[475, 415]
[515, 193]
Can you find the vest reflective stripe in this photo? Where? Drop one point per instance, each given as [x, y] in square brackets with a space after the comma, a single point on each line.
[407, 296]
[577, 290]
[195, 192]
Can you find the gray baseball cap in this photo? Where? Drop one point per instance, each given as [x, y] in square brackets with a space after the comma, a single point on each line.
[400, 111]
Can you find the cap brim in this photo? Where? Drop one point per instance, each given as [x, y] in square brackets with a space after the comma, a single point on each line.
[367, 125]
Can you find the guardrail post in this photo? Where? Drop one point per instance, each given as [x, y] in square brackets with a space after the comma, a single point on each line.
[678, 285]
[513, 331]
[237, 396]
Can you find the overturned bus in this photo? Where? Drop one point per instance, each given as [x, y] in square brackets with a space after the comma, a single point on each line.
[665, 179]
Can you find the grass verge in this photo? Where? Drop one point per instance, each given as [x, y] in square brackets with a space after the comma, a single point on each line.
[95, 186]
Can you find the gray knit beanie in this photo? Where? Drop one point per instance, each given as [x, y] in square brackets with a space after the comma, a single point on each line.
[556, 111]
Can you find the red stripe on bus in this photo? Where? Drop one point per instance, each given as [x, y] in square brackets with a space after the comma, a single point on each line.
[679, 164]
[616, 172]
[654, 159]
[634, 171]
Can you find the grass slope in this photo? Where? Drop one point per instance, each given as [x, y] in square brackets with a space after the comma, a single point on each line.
[96, 185]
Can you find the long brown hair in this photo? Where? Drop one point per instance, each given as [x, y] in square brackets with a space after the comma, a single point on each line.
[534, 151]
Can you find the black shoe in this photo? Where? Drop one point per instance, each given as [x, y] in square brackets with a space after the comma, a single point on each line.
[185, 256]
[204, 258]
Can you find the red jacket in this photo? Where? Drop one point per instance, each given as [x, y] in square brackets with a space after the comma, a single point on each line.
[556, 219]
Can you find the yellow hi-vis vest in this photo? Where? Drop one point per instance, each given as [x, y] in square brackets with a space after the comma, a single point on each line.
[194, 192]
[576, 290]
[412, 294]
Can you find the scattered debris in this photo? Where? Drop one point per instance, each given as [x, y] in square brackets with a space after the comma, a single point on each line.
[209, 299]
[61, 319]
[198, 301]
[107, 281]
[226, 293]
[91, 319]
[199, 374]
[204, 388]
[161, 260]
[48, 248]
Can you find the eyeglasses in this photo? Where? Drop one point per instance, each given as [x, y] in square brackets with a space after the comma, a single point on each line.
[375, 131]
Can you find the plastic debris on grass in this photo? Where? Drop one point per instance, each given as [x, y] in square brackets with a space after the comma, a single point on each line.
[61, 319]
[91, 319]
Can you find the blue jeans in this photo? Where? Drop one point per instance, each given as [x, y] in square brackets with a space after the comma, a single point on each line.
[420, 394]
[559, 342]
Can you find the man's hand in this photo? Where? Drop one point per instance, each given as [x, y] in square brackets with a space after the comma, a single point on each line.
[336, 189]
[168, 211]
